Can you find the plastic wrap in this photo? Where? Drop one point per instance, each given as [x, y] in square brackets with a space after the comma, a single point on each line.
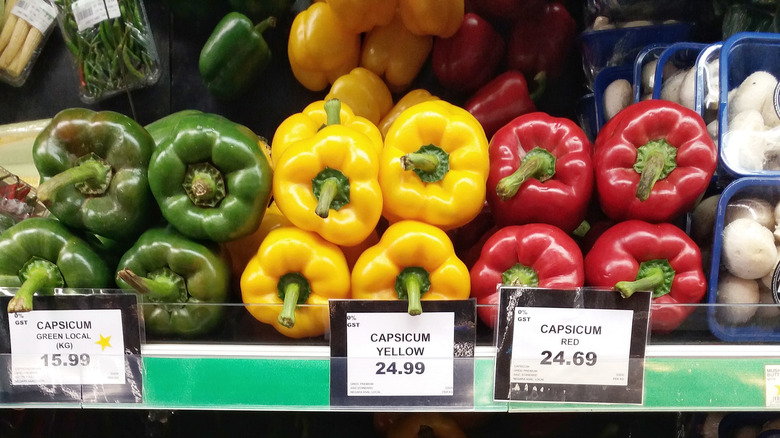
[112, 45]
[26, 25]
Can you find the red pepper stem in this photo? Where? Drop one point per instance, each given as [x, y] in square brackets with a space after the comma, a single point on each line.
[413, 294]
[40, 274]
[540, 86]
[328, 191]
[538, 163]
[420, 161]
[159, 288]
[265, 24]
[87, 171]
[287, 316]
[649, 282]
[333, 112]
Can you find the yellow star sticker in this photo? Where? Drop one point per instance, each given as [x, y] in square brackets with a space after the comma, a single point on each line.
[104, 342]
[778, 389]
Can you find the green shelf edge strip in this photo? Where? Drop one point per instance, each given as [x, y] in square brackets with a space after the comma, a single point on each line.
[295, 384]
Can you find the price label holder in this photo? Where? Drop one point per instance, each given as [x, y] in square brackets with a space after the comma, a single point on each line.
[582, 345]
[383, 357]
[72, 348]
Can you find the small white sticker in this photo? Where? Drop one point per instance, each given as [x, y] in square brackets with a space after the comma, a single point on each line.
[39, 13]
[88, 13]
[396, 354]
[112, 6]
[67, 347]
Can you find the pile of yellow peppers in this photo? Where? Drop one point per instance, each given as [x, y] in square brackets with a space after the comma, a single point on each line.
[358, 214]
[368, 50]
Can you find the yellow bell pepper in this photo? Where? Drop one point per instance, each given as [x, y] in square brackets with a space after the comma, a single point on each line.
[329, 184]
[362, 15]
[304, 125]
[395, 54]
[434, 166]
[243, 248]
[413, 261]
[441, 18]
[293, 267]
[319, 48]
[364, 92]
[411, 98]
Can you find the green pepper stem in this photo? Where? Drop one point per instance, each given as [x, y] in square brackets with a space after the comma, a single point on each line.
[420, 161]
[655, 160]
[520, 275]
[333, 112]
[654, 278]
[265, 24]
[537, 163]
[158, 289]
[413, 294]
[87, 171]
[328, 191]
[204, 185]
[37, 275]
[287, 316]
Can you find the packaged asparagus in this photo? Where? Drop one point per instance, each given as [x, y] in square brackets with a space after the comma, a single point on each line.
[26, 25]
[112, 45]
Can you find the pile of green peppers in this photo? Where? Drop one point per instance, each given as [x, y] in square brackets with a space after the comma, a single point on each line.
[146, 209]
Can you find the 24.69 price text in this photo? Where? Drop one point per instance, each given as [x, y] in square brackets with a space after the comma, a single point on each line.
[406, 368]
[578, 358]
[59, 360]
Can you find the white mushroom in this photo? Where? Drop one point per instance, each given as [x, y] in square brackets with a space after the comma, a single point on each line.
[758, 209]
[736, 293]
[766, 280]
[748, 249]
[670, 88]
[617, 95]
[769, 112]
[688, 89]
[751, 93]
[712, 74]
[744, 145]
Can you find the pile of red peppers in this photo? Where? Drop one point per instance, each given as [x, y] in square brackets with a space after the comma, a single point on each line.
[645, 170]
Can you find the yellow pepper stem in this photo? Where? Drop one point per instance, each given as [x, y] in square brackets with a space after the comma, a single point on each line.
[293, 289]
[410, 285]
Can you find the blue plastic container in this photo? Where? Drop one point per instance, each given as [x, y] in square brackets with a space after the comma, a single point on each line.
[740, 56]
[681, 55]
[620, 46]
[603, 79]
[586, 115]
[705, 85]
[645, 56]
[764, 188]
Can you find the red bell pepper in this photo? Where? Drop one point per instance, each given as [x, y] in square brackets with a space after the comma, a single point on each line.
[540, 171]
[502, 99]
[467, 60]
[653, 161]
[541, 43]
[636, 255]
[535, 255]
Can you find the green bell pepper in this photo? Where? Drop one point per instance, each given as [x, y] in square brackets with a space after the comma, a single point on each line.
[93, 168]
[40, 254]
[161, 128]
[210, 178]
[234, 55]
[168, 270]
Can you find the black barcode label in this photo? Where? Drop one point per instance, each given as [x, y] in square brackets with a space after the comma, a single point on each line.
[88, 13]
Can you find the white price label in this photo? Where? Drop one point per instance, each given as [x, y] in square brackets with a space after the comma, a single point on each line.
[67, 347]
[88, 13]
[571, 346]
[396, 354]
[39, 13]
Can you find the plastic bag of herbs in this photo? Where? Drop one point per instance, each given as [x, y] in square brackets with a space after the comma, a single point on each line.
[112, 44]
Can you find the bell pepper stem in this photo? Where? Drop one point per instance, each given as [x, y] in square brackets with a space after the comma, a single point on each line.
[204, 185]
[540, 86]
[37, 274]
[655, 160]
[413, 294]
[420, 161]
[537, 163]
[265, 24]
[287, 316]
[328, 191]
[89, 171]
[649, 283]
[520, 275]
[159, 289]
[333, 112]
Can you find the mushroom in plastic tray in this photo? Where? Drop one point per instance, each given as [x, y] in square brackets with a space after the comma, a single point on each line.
[744, 259]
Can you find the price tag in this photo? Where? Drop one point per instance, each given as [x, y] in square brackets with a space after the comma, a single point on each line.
[582, 345]
[382, 356]
[67, 347]
[78, 348]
